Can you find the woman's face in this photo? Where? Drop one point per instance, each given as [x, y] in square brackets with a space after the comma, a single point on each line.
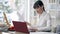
[39, 10]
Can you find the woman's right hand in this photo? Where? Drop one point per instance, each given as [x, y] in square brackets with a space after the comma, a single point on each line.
[28, 23]
[33, 29]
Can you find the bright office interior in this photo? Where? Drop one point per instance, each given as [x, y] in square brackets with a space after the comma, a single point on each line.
[25, 8]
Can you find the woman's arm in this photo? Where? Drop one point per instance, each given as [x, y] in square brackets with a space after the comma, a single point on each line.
[48, 24]
[47, 27]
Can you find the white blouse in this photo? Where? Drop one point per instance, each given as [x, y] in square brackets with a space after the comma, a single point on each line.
[43, 22]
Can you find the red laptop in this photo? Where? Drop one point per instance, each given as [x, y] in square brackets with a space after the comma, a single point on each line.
[20, 26]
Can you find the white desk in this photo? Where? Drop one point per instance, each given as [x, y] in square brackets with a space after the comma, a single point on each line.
[42, 33]
[30, 33]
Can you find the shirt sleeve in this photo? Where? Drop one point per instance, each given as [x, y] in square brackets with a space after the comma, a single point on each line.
[48, 26]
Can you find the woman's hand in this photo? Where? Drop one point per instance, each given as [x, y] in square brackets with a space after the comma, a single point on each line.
[33, 29]
[28, 23]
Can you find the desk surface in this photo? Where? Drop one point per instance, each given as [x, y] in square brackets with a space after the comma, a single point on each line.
[30, 33]
[42, 33]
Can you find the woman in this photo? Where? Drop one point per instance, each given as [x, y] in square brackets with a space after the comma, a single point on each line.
[43, 18]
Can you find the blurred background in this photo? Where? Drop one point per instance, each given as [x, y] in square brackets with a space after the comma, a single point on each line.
[25, 7]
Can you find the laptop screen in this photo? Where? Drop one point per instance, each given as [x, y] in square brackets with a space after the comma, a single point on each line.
[20, 26]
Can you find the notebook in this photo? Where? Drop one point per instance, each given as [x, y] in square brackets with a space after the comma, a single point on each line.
[20, 27]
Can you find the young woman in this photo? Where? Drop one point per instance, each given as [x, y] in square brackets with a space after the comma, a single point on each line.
[43, 18]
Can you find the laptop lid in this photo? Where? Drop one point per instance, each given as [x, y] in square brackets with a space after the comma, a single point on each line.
[20, 26]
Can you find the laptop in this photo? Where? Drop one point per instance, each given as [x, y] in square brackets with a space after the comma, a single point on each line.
[20, 27]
